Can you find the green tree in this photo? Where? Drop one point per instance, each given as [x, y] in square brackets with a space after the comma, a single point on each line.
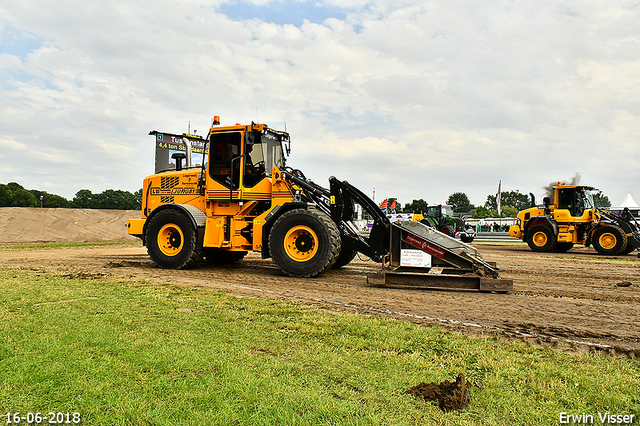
[117, 199]
[508, 211]
[138, 199]
[416, 206]
[601, 200]
[4, 196]
[482, 212]
[84, 199]
[460, 202]
[55, 201]
[13, 186]
[23, 198]
[50, 200]
[108, 199]
[510, 198]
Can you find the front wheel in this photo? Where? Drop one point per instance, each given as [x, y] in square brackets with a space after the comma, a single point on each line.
[541, 238]
[171, 240]
[609, 240]
[304, 243]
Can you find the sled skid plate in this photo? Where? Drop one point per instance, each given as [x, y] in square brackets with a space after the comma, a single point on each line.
[439, 282]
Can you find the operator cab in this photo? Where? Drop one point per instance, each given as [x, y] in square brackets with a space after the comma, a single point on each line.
[245, 155]
[440, 210]
[576, 199]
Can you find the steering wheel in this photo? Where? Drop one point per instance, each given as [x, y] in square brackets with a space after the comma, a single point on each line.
[257, 168]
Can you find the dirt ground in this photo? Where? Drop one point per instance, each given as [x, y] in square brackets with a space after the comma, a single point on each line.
[577, 301]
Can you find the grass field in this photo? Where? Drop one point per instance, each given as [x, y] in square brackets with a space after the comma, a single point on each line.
[138, 353]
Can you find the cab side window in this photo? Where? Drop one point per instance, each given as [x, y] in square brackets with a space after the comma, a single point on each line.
[224, 158]
[565, 199]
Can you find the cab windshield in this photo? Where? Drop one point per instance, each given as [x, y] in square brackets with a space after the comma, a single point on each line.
[586, 197]
[447, 211]
[266, 150]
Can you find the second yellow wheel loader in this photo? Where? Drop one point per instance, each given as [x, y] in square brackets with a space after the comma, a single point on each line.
[573, 218]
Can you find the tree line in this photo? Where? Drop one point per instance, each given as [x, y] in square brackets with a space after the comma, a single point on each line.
[14, 195]
[511, 202]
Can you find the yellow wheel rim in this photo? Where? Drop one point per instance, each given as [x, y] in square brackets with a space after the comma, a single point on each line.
[539, 239]
[607, 240]
[170, 239]
[301, 243]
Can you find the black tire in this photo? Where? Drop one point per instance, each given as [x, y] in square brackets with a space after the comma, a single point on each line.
[171, 240]
[344, 258]
[304, 243]
[223, 257]
[448, 230]
[465, 239]
[609, 240]
[541, 238]
[563, 247]
[629, 248]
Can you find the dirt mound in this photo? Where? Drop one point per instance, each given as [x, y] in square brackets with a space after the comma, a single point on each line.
[19, 225]
[450, 396]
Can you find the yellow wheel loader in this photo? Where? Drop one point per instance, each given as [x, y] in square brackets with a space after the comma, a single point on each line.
[243, 197]
[574, 219]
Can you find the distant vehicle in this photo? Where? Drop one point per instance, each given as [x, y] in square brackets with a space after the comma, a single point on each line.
[443, 219]
[572, 219]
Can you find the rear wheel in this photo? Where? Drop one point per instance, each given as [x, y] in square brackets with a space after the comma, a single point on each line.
[541, 238]
[610, 240]
[171, 240]
[304, 243]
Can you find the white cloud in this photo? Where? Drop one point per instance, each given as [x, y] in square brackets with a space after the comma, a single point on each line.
[11, 145]
[419, 99]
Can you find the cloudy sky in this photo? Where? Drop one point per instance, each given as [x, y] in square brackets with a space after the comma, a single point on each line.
[415, 98]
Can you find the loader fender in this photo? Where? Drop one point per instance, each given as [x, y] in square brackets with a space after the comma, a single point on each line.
[196, 216]
[539, 220]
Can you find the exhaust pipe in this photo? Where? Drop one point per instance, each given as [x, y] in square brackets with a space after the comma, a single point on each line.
[187, 143]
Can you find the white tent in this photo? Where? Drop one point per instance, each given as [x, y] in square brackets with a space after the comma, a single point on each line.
[628, 202]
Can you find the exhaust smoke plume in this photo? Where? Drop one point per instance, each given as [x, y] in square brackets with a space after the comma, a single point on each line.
[548, 190]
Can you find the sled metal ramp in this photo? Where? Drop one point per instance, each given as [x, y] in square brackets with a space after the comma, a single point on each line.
[422, 257]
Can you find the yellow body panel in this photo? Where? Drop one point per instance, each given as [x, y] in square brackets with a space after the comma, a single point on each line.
[135, 227]
[515, 231]
[214, 232]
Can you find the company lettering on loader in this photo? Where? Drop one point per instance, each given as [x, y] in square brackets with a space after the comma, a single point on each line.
[173, 191]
